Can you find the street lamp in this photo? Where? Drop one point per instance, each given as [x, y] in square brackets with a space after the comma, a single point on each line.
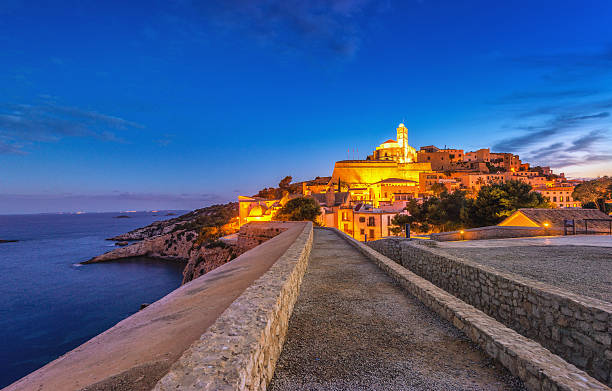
[462, 232]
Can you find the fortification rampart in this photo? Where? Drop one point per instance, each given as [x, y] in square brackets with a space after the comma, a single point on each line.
[575, 327]
[372, 171]
[496, 232]
[239, 351]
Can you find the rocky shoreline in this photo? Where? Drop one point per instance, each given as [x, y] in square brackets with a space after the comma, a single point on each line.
[181, 240]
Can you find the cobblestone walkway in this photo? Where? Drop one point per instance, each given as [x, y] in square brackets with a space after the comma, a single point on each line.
[353, 328]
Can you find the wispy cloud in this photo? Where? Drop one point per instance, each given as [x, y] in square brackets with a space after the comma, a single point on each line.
[568, 66]
[587, 141]
[334, 27]
[523, 97]
[566, 121]
[537, 132]
[22, 124]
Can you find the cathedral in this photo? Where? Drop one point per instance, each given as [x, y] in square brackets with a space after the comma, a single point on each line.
[398, 151]
[391, 159]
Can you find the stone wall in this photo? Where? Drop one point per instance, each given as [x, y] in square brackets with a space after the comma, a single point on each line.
[496, 232]
[575, 327]
[239, 351]
[255, 233]
[536, 366]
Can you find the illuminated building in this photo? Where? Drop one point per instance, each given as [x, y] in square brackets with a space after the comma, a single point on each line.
[428, 179]
[481, 155]
[362, 196]
[330, 203]
[391, 159]
[507, 161]
[363, 219]
[440, 159]
[561, 196]
[258, 209]
[398, 151]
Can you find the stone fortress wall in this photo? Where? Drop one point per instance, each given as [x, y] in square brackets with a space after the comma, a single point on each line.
[496, 232]
[255, 233]
[239, 351]
[577, 328]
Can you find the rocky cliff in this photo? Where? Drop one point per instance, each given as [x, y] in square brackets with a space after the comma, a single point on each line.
[212, 255]
[185, 240]
[174, 246]
[214, 215]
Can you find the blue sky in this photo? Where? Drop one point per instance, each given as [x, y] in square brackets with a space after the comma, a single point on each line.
[178, 104]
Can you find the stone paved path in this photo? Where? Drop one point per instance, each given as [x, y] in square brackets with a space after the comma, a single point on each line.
[353, 328]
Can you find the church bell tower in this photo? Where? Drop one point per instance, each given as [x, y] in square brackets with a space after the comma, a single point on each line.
[402, 141]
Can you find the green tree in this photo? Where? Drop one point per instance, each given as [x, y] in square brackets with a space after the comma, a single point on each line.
[498, 201]
[437, 188]
[398, 222]
[447, 212]
[595, 191]
[299, 209]
[285, 182]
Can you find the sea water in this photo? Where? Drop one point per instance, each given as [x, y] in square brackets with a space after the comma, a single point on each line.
[49, 303]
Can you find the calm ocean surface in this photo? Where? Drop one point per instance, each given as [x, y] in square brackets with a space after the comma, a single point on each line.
[49, 304]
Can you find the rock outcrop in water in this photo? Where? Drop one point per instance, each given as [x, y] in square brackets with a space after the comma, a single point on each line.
[174, 246]
[188, 239]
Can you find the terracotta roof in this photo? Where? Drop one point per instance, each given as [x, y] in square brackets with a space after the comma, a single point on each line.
[390, 141]
[556, 216]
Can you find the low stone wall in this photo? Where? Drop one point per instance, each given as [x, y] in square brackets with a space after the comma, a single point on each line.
[239, 351]
[575, 327]
[496, 232]
[255, 233]
[536, 366]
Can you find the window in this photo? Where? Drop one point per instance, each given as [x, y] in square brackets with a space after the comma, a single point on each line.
[554, 199]
[561, 198]
[346, 227]
[371, 234]
[388, 220]
[362, 231]
[362, 220]
[371, 222]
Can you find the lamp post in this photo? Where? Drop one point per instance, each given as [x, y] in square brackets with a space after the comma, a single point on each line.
[546, 228]
[462, 232]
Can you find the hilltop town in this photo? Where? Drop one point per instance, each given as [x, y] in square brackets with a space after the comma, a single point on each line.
[362, 197]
